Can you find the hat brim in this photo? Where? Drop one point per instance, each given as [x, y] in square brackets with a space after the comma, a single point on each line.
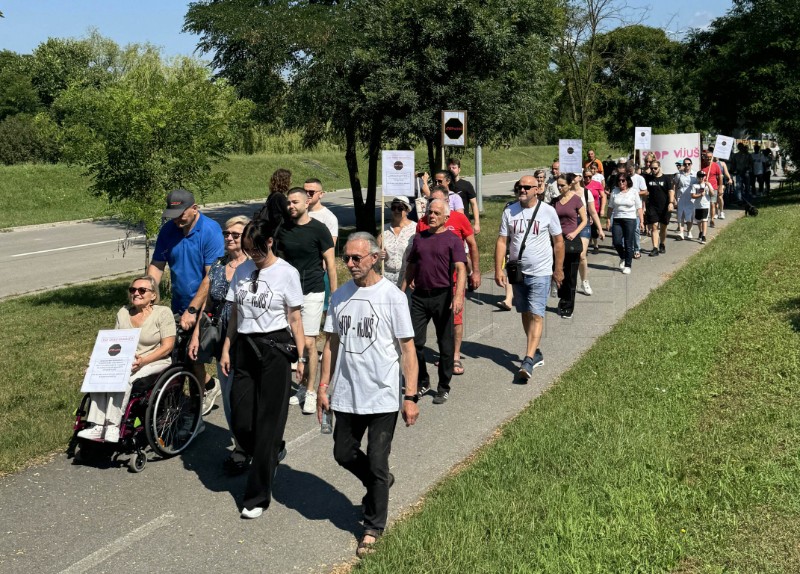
[173, 212]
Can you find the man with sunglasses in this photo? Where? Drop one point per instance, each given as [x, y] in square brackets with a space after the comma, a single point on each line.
[660, 204]
[190, 243]
[370, 341]
[307, 245]
[531, 223]
[433, 256]
[684, 185]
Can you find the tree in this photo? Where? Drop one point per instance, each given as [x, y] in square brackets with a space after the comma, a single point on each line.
[159, 126]
[641, 82]
[745, 67]
[577, 54]
[17, 94]
[370, 71]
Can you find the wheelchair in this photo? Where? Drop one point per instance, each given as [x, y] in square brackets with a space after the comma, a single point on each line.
[164, 412]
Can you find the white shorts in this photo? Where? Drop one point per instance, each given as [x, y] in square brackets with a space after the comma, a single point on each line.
[311, 313]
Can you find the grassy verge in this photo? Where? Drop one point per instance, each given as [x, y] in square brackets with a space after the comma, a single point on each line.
[34, 194]
[671, 446]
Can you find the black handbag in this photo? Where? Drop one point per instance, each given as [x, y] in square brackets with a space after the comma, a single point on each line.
[211, 337]
[573, 246]
[514, 268]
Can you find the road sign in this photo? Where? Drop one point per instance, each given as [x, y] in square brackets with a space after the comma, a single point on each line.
[454, 128]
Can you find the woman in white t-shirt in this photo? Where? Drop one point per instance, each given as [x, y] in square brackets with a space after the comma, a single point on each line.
[265, 320]
[626, 206]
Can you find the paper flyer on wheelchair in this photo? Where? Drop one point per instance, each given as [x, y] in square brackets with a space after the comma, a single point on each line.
[110, 364]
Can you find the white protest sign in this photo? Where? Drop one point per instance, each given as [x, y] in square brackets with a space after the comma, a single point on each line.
[723, 147]
[397, 173]
[570, 156]
[110, 364]
[672, 148]
[454, 128]
[641, 138]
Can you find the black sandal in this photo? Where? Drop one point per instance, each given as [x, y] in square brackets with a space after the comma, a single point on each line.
[365, 547]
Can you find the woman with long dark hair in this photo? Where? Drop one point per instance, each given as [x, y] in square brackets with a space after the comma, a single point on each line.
[265, 334]
[572, 216]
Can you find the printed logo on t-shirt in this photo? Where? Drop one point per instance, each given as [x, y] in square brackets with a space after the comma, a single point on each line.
[520, 225]
[254, 304]
[358, 325]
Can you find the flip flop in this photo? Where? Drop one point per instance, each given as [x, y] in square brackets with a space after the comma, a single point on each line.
[458, 365]
[504, 306]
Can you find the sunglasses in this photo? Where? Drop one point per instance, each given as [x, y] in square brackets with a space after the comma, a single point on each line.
[397, 207]
[139, 290]
[232, 234]
[687, 163]
[254, 281]
[525, 187]
[439, 180]
[355, 258]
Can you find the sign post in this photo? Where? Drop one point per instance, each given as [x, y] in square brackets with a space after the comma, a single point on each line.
[397, 178]
[454, 130]
[723, 147]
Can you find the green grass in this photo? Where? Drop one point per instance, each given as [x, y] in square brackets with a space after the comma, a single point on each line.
[671, 446]
[32, 194]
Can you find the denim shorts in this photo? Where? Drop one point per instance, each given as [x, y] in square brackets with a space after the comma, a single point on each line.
[586, 232]
[531, 296]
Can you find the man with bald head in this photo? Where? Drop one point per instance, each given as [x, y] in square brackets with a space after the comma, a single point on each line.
[526, 228]
[433, 256]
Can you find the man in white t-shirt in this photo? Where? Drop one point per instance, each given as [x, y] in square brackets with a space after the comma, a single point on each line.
[317, 211]
[369, 338]
[531, 223]
[551, 191]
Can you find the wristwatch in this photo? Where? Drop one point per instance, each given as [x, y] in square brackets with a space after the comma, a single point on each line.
[412, 398]
[303, 360]
[192, 310]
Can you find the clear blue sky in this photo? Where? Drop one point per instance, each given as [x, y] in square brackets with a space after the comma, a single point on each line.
[27, 23]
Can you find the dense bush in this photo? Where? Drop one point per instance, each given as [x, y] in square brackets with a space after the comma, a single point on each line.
[26, 138]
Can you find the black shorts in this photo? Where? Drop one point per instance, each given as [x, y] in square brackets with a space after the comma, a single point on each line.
[657, 214]
[701, 214]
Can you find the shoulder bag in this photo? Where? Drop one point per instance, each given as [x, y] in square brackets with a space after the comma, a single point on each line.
[514, 268]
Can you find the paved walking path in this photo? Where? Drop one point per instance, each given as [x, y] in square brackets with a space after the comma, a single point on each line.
[181, 515]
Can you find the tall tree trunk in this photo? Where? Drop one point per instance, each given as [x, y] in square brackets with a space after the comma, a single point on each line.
[431, 154]
[366, 221]
[351, 160]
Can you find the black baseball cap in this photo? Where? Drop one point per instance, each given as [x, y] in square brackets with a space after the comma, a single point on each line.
[178, 201]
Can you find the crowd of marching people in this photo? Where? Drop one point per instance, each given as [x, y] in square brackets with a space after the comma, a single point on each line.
[269, 284]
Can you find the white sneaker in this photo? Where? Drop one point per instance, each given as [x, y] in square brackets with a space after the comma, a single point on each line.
[626, 270]
[722, 215]
[622, 264]
[587, 289]
[252, 512]
[298, 396]
[689, 235]
[92, 433]
[112, 433]
[680, 236]
[310, 404]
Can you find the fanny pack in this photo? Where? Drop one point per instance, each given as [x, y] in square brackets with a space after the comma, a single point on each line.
[288, 349]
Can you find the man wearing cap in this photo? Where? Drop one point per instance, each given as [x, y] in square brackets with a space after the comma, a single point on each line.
[190, 243]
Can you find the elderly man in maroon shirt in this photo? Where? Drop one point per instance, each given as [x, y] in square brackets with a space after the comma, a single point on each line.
[434, 255]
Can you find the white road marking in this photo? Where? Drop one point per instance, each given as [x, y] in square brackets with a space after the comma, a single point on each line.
[76, 246]
[303, 439]
[118, 545]
[509, 181]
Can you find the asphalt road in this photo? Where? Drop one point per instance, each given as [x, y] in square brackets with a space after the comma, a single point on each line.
[181, 514]
[42, 257]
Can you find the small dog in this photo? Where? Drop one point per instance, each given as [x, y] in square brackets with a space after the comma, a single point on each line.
[749, 209]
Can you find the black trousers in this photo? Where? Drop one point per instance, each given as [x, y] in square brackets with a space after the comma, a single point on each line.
[427, 305]
[259, 408]
[566, 292]
[372, 467]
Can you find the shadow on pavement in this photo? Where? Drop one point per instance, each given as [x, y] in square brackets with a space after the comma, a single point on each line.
[205, 456]
[315, 499]
[501, 357]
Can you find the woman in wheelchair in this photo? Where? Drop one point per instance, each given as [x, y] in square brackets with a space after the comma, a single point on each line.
[156, 341]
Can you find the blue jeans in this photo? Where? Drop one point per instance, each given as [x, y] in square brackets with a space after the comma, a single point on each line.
[622, 234]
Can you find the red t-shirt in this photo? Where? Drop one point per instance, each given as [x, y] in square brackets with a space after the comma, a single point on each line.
[595, 188]
[457, 223]
[713, 175]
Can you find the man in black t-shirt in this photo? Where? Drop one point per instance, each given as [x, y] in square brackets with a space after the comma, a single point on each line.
[464, 188]
[660, 203]
[305, 243]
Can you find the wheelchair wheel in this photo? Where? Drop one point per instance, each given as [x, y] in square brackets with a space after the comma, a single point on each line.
[174, 411]
[137, 461]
